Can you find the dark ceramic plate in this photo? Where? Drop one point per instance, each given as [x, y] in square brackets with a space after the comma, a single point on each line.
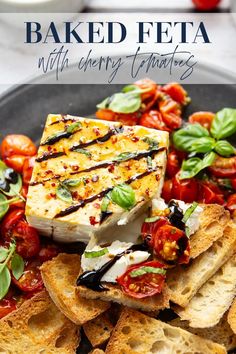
[24, 109]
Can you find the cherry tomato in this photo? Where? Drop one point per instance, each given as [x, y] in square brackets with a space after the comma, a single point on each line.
[48, 252]
[153, 119]
[233, 183]
[210, 193]
[9, 222]
[203, 118]
[176, 92]
[171, 244]
[231, 203]
[20, 203]
[224, 167]
[185, 189]
[172, 121]
[16, 144]
[149, 229]
[28, 169]
[173, 164]
[167, 105]
[148, 84]
[31, 280]
[127, 119]
[7, 306]
[206, 4]
[167, 190]
[145, 285]
[27, 239]
[105, 114]
[16, 162]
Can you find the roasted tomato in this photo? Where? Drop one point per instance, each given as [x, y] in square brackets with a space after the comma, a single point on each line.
[176, 92]
[153, 119]
[224, 167]
[233, 183]
[231, 203]
[105, 114]
[127, 119]
[206, 4]
[16, 162]
[203, 118]
[14, 226]
[48, 252]
[171, 244]
[210, 193]
[167, 190]
[16, 144]
[28, 169]
[31, 280]
[144, 285]
[173, 164]
[147, 84]
[149, 229]
[7, 306]
[185, 189]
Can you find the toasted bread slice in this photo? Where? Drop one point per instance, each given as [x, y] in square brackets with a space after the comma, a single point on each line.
[185, 281]
[213, 299]
[98, 330]
[38, 327]
[115, 294]
[59, 277]
[138, 333]
[97, 351]
[221, 333]
[232, 316]
[213, 221]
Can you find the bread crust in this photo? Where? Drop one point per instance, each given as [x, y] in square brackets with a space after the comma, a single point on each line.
[232, 316]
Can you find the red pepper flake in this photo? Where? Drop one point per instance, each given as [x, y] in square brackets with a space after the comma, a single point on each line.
[96, 131]
[93, 221]
[97, 205]
[65, 167]
[95, 178]
[75, 194]
[135, 139]
[75, 167]
[53, 195]
[87, 180]
[49, 148]
[111, 168]
[53, 184]
[48, 172]
[114, 139]
[157, 177]
[147, 192]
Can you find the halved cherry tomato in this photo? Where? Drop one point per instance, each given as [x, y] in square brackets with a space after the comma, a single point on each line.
[148, 84]
[149, 229]
[176, 92]
[224, 167]
[171, 244]
[17, 144]
[173, 164]
[48, 252]
[7, 306]
[203, 118]
[153, 119]
[233, 183]
[28, 169]
[206, 4]
[172, 120]
[105, 114]
[167, 190]
[231, 203]
[185, 189]
[127, 119]
[210, 193]
[145, 285]
[31, 280]
[16, 162]
[167, 105]
[9, 222]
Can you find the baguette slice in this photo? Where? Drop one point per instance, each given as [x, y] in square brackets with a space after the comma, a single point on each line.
[115, 294]
[221, 333]
[213, 299]
[59, 277]
[98, 330]
[184, 282]
[38, 327]
[232, 316]
[138, 333]
[213, 221]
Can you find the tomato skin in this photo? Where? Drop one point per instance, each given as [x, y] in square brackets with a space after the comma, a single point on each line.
[173, 164]
[153, 119]
[224, 167]
[7, 306]
[127, 119]
[203, 118]
[185, 189]
[28, 169]
[147, 84]
[27, 240]
[31, 280]
[206, 4]
[233, 183]
[17, 144]
[231, 203]
[48, 252]
[105, 114]
[172, 121]
[16, 162]
[167, 190]
[210, 193]
[176, 92]
[145, 285]
[149, 229]
[9, 221]
[167, 244]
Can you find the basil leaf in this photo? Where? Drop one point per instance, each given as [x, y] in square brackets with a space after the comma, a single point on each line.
[189, 212]
[184, 138]
[5, 281]
[122, 102]
[123, 195]
[152, 219]
[187, 231]
[193, 166]
[149, 162]
[73, 127]
[225, 183]
[124, 156]
[153, 144]
[224, 148]
[203, 145]
[4, 206]
[17, 266]
[144, 270]
[95, 254]
[14, 188]
[3, 253]
[63, 193]
[131, 88]
[224, 123]
[105, 204]
[83, 151]
[71, 182]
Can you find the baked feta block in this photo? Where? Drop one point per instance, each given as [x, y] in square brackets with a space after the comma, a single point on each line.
[92, 174]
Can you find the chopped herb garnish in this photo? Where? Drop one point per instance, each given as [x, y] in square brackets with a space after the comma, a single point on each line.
[83, 151]
[73, 127]
[105, 202]
[153, 144]
[95, 254]
[189, 212]
[152, 219]
[63, 193]
[124, 156]
[144, 270]
[72, 182]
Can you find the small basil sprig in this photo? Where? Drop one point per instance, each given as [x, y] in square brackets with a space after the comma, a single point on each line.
[145, 269]
[224, 124]
[64, 193]
[83, 151]
[184, 138]
[127, 101]
[95, 254]
[9, 257]
[224, 148]
[153, 144]
[194, 165]
[123, 195]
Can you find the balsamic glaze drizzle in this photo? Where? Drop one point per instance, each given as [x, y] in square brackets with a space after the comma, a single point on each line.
[49, 155]
[92, 279]
[176, 215]
[54, 139]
